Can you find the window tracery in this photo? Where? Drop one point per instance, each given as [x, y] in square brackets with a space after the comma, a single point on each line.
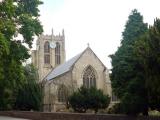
[89, 78]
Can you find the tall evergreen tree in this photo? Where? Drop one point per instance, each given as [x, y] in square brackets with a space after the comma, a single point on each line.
[153, 66]
[17, 17]
[127, 77]
[148, 52]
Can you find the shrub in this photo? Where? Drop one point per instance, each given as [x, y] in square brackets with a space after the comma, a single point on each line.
[88, 98]
[116, 109]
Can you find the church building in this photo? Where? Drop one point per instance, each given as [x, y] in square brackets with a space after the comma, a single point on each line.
[62, 77]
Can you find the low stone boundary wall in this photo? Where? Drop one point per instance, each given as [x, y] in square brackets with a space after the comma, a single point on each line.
[71, 116]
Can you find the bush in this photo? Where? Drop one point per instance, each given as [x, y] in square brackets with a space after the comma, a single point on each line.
[29, 96]
[91, 98]
[116, 109]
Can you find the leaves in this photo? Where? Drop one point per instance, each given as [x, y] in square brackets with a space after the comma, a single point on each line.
[149, 58]
[91, 98]
[30, 94]
[128, 81]
[17, 17]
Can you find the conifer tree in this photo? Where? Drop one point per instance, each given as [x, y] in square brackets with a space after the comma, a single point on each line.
[127, 78]
[147, 50]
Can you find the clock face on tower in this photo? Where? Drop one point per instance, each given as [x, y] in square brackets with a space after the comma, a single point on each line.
[52, 44]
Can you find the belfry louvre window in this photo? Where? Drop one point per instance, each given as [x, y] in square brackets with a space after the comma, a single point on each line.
[62, 93]
[46, 53]
[89, 78]
[57, 54]
[46, 59]
[46, 47]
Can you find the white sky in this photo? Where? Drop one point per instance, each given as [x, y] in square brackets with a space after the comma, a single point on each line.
[97, 22]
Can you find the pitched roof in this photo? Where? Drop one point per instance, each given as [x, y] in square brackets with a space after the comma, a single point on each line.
[63, 68]
[67, 66]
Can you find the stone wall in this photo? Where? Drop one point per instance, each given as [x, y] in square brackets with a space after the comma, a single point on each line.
[51, 92]
[72, 116]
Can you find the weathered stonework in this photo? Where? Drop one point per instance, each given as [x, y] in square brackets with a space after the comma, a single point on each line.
[51, 102]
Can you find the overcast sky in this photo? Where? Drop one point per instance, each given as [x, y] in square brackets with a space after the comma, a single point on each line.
[97, 22]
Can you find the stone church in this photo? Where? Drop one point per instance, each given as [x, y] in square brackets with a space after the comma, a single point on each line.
[63, 77]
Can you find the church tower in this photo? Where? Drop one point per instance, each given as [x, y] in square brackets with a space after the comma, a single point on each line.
[49, 53]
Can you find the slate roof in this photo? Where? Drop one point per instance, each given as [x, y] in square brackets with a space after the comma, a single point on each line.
[63, 68]
[67, 66]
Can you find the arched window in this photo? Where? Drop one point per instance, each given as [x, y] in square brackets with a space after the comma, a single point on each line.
[46, 47]
[89, 78]
[62, 94]
[57, 54]
[46, 53]
[46, 58]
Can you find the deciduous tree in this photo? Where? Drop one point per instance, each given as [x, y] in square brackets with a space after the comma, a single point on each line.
[30, 94]
[17, 18]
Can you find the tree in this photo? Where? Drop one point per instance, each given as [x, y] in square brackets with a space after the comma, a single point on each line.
[128, 81]
[78, 100]
[30, 94]
[147, 50]
[17, 18]
[88, 98]
[97, 100]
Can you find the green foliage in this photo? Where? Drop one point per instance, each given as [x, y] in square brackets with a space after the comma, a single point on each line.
[17, 17]
[134, 28]
[30, 94]
[97, 100]
[115, 109]
[78, 100]
[147, 50]
[128, 80]
[91, 98]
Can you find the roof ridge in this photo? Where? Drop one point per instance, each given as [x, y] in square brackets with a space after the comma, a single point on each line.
[63, 68]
